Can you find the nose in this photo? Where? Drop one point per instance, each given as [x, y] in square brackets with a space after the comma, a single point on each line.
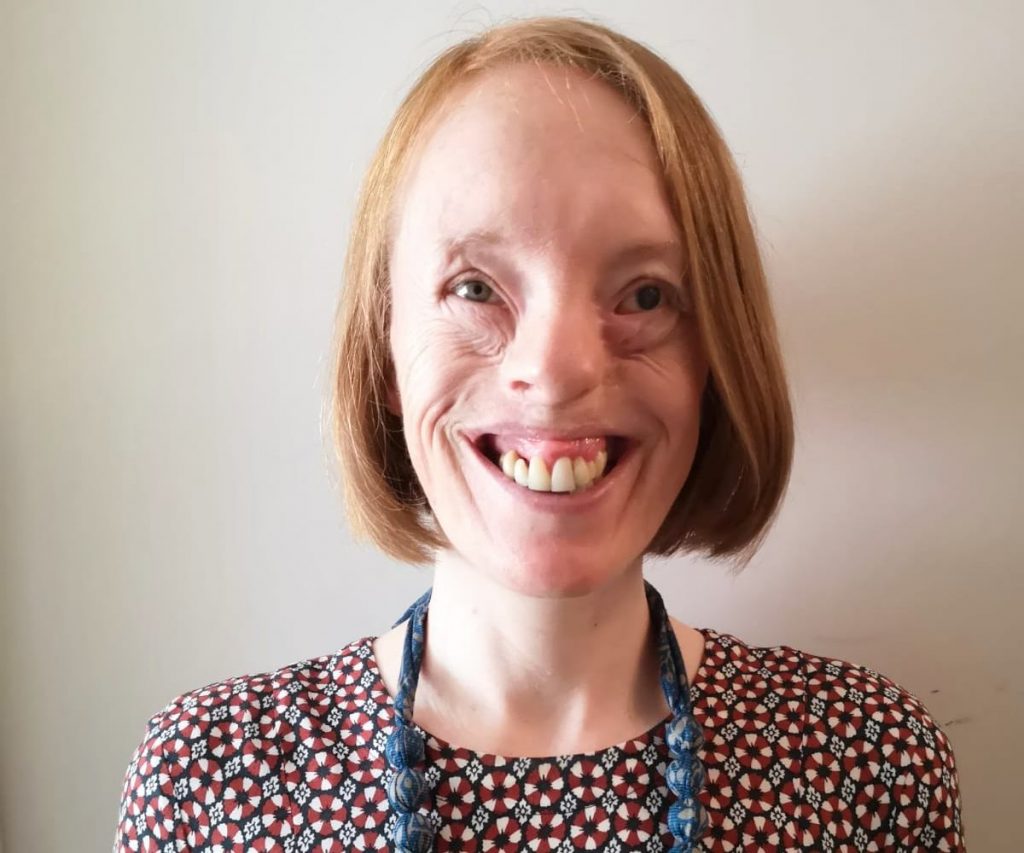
[558, 353]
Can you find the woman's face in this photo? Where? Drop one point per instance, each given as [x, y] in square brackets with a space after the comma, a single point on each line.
[539, 310]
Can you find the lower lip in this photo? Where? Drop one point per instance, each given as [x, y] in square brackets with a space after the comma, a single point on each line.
[580, 501]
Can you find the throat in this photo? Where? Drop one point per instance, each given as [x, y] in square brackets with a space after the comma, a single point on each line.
[500, 695]
[556, 725]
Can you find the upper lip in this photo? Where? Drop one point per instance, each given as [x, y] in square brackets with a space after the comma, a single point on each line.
[542, 433]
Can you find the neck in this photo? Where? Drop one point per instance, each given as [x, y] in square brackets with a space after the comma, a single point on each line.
[510, 673]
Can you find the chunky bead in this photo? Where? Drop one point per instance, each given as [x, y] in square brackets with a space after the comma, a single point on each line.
[404, 748]
[683, 735]
[413, 833]
[407, 790]
[685, 776]
[682, 819]
[679, 776]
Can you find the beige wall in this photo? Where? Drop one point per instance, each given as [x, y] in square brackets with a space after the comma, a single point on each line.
[176, 184]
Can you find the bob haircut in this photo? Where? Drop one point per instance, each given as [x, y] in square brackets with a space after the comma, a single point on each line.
[744, 451]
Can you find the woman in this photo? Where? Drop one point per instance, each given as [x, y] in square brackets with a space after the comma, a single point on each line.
[556, 355]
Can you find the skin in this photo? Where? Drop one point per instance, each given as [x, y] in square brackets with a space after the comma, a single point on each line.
[539, 639]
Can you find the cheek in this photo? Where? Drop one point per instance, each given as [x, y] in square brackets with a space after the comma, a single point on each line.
[669, 383]
[441, 370]
[439, 354]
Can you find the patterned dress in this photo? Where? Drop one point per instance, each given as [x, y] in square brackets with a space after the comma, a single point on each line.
[801, 753]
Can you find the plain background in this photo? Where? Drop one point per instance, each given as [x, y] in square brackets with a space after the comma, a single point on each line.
[177, 181]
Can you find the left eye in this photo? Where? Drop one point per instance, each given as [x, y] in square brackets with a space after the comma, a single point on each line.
[644, 299]
[473, 289]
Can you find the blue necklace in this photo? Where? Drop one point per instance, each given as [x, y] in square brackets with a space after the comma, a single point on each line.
[406, 751]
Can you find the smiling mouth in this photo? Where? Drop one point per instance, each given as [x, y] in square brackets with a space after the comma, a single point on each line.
[560, 467]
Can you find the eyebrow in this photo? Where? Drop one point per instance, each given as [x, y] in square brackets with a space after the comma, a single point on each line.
[643, 250]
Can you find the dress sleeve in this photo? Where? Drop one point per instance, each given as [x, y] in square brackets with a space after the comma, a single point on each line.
[926, 801]
[148, 816]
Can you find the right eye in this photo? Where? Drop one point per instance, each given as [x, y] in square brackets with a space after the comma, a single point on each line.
[473, 290]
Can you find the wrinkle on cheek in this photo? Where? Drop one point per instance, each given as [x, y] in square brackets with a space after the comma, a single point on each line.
[646, 371]
[675, 373]
[443, 373]
[481, 336]
[673, 361]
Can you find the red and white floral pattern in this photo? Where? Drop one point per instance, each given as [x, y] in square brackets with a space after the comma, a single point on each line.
[801, 753]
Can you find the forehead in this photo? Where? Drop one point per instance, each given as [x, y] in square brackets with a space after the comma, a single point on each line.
[540, 155]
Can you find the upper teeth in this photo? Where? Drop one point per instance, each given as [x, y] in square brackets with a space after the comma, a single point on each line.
[566, 475]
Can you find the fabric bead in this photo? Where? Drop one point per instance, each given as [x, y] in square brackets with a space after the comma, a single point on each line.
[407, 789]
[679, 776]
[685, 776]
[413, 833]
[683, 735]
[682, 819]
[405, 748]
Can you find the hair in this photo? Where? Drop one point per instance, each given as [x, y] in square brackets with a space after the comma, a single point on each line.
[744, 450]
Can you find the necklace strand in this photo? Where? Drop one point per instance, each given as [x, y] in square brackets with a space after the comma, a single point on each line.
[408, 788]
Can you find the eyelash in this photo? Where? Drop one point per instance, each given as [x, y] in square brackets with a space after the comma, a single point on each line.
[669, 295]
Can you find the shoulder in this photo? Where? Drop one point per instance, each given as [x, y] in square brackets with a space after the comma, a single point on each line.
[832, 689]
[859, 734]
[235, 738]
[881, 727]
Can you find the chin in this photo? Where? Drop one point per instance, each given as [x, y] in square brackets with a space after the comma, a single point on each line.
[559, 574]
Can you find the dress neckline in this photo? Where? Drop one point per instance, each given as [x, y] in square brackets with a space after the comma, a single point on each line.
[436, 743]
